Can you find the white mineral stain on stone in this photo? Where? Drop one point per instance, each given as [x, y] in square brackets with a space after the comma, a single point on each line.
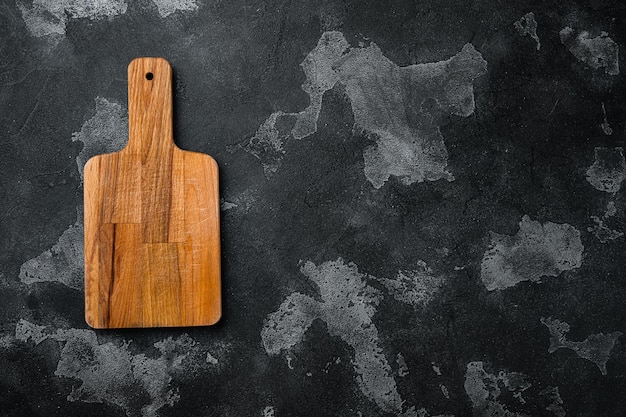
[110, 373]
[611, 209]
[227, 205]
[267, 145]
[269, 411]
[211, 359]
[596, 51]
[347, 304]
[167, 7]
[556, 402]
[412, 412]
[105, 132]
[416, 288]
[321, 76]
[403, 369]
[383, 96]
[536, 251]
[24, 331]
[605, 126]
[285, 327]
[595, 348]
[63, 262]
[241, 202]
[527, 26]
[601, 231]
[436, 369]
[608, 169]
[484, 389]
[380, 93]
[6, 339]
[50, 17]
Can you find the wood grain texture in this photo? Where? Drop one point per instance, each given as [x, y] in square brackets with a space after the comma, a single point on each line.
[152, 240]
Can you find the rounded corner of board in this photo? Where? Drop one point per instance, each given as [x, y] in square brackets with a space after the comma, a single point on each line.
[200, 158]
[214, 320]
[212, 161]
[91, 324]
[91, 161]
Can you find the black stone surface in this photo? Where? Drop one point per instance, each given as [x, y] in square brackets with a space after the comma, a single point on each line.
[402, 268]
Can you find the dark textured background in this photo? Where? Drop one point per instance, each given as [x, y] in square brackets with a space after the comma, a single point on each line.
[442, 239]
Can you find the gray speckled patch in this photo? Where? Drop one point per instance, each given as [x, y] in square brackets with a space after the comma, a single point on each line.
[484, 388]
[241, 202]
[211, 359]
[63, 262]
[267, 145]
[595, 348]
[556, 402]
[347, 306]
[416, 288]
[604, 233]
[597, 52]
[6, 341]
[600, 230]
[444, 391]
[608, 169]
[611, 209]
[605, 126]
[388, 102]
[412, 153]
[536, 251]
[436, 369]
[403, 369]
[527, 26]
[50, 17]
[227, 205]
[105, 132]
[285, 327]
[168, 7]
[321, 76]
[383, 96]
[111, 373]
[25, 331]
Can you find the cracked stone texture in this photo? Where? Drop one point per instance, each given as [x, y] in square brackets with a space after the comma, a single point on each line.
[422, 210]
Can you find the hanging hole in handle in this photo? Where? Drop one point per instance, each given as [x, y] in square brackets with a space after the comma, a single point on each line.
[149, 76]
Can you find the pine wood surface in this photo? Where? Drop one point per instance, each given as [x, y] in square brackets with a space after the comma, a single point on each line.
[152, 241]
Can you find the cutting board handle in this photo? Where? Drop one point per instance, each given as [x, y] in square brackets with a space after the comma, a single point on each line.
[149, 106]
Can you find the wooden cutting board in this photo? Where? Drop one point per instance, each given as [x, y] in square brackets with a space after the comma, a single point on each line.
[152, 240]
